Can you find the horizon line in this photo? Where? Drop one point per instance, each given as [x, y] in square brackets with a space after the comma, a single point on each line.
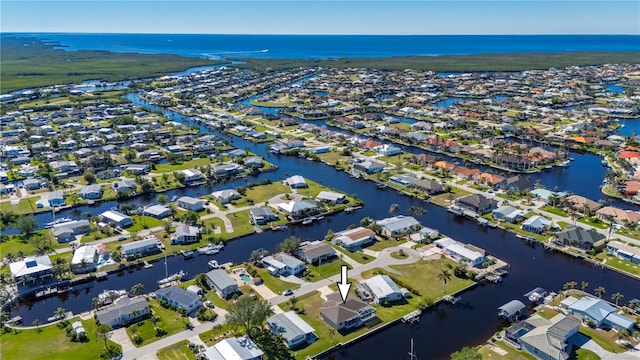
[298, 34]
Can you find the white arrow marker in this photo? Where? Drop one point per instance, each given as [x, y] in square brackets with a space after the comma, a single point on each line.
[343, 285]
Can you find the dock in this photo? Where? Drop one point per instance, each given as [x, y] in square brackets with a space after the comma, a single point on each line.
[101, 275]
[412, 317]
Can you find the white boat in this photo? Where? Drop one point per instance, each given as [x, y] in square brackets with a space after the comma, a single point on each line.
[348, 210]
[565, 163]
[108, 296]
[187, 254]
[56, 222]
[307, 221]
[175, 277]
[208, 250]
[147, 265]
[213, 264]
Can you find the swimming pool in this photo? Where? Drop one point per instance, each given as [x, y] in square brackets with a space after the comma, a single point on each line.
[245, 277]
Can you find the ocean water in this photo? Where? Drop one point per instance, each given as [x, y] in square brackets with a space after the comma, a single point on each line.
[336, 46]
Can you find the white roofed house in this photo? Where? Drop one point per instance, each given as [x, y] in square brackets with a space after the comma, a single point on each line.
[66, 232]
[624, 251]
[262, 215]
[399, 225]
[507, 213]
[190, 203]
[185, 234]
[331, 197]
[293, 329]
[116, 218]
[283, 264]
[296, 182]
[180, 298]
[85, 259]
[537, 224]
[31, 269]
[124, 311]
[222, 283]
[157, 211]
[236, 348]
[354, 239]
[146, 246]
[225, 196]
[124, 187]
[92, 192]
[382, 289]
[192, 175]
[298, 209]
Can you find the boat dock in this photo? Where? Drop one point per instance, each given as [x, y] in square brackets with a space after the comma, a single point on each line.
[412, 317]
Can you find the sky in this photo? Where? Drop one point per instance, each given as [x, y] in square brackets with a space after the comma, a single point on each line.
[323, 17]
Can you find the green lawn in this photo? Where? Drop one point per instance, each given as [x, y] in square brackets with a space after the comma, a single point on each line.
[595, 222]
[170, 322]
[240, 222]
[383, 244]
[51, 343]
[325, 270]
[219, 332]
[555, 210]
[512, 354]
[333, 157]
[358, 256]
[141, 222]
[24, 206]
[216, 300]
[443, 199]
[177, 351]
[606, 339]
[190, 164]
[275, 284]
[263, 193]
[620, 264]
[582, 354]
[313, 190]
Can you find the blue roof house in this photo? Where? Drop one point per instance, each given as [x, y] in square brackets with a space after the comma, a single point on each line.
[600, 312]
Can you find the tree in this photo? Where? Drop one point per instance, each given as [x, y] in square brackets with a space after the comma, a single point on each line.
[248, 312]
[162, 199]
[417, 210]
[570, 285]
[393, 209]
[272, 345]
[467, 353]
[600, 290]
[104, 333]
[365, 221]
[137, 289]
[60, 313]
[633, 304]
[444, 276]
[190, 218]
[290, 245]
[36, 323]
[95, 303]
[617, 297]
[584, 285]
[89, 177]
[26, 225]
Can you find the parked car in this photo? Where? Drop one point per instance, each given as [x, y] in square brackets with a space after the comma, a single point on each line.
[122, 238]
[287, 292]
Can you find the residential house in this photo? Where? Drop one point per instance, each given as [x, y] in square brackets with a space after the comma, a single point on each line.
[381, 289]
[225, 196]
[222, 283]
[192, 175]
[428, 186]
[283, 265]
[354, 239]
[31, 269]
[489, 179]
[507, 213]
[511, 310]
[261, 215]
[388, 150]
[315, 252]
[253, 162]
[582, 204]
[331, 197]
[185, 234]
[298, 209]
[147, 246]
[91, 192]
[600, 312]
[157, 211]
[537, 224]
[624, 251]
[190, 203]
[398, 225]
[124, 187]
[56, 198]
[294, 330]
[477, 203]
[369, 166]
[225, 170]
[296, 182]
[137, 169]
[31, 184]
[466, 254]
[116, 218]
[235, 348]
[619, 216]
[547, 339]
[180, 298]
[66, 232]
[348, 315]
[85, 259]
[580, 237]
[124, 311]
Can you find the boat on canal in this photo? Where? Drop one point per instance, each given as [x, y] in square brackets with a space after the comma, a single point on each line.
[108, 296]
[57, 222]
[187, 254]
[213, 264]
[307, 221]
[279, 227]
[171, 278]
[210, 249]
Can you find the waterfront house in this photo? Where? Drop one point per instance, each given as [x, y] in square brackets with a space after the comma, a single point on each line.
[192, 175]
[137, 169]
[546, 339]
[85, 259]
[298, 209]
[476, 203]
[296, 182]
[583, 205]
[185, 234]
[180, 298]
[225, 170]
[624, 251]
[65, 232]
[600, 312]
[116, 218]
[124, 187]
[283, 265]
[31, 269]
[225, 196]
[124, 311]
[369, 166]
[348, 315]
[398, 225]
[402, 179]
[331, 197]
[428, 186]
[293, 329]
[507, 213]
[511, 310]
[261, 215]
[190, 203]
[537, 224]
[466, 254]
[56, 198]
[91, 192]
[157, 211]
[222, 283]
[580, 237]
[315, 252]
[354, 239]
[253, 162]
[144, 247]
[388, 150]
[619, 216]
[382, 289]
[235, 348]
[31, 184]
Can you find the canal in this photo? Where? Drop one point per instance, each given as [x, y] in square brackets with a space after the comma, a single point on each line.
[440, 331]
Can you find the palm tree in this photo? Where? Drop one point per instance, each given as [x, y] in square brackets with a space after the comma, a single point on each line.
[600, 290]
[393, 209]
[584, 285]
[444, 276]
[633, 304]
[137, 289]
[60, 313]
[95, 303]
[248, 313]
[570, 285]
[417, 210]
[36, 323]
[617, 297]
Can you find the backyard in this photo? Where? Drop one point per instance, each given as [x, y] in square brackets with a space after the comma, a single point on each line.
[177, 351]
[169, 321]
